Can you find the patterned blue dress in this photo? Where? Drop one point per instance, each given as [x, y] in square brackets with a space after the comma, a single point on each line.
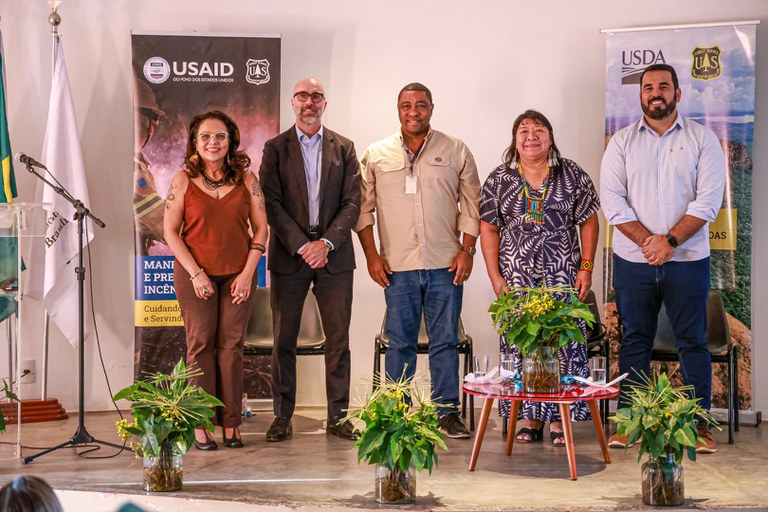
[533, 254]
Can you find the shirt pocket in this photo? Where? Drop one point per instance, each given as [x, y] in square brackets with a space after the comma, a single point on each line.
[391, 170]
[438, 168]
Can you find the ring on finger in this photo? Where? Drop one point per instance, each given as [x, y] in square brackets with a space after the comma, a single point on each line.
[205, 292]
[241, 294]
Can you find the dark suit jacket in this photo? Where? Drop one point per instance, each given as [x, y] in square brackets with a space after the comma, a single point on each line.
[287, 201]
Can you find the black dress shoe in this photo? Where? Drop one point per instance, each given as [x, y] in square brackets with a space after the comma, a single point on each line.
[344, 430]
[452, 426]
[208, 445]
[232, 442]
[280, 430]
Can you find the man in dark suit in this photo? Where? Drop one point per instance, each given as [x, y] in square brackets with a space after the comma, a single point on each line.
[311, 181]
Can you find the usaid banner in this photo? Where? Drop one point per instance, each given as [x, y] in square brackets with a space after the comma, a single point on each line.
[716, 68]
[177, 76]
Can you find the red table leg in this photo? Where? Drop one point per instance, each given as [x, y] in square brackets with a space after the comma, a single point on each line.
[513, 413]
[598, 421]
[565, 416]
[480, 432]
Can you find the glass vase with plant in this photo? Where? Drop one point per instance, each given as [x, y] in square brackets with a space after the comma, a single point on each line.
[400, 435]
[662, 420]
[166, 412]
[539, 321]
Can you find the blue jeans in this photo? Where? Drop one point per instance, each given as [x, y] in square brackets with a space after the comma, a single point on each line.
[683, 287]
[432, 291]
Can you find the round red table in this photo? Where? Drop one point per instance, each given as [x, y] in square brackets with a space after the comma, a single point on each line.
[568, 394]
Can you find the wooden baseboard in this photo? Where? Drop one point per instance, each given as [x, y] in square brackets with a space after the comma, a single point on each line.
[34, 411]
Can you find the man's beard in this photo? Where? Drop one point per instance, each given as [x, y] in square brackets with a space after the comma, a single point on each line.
[657, 114]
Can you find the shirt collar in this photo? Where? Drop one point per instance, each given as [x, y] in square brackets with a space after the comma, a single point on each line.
[679, 122]
[303, 137]
[428, 136]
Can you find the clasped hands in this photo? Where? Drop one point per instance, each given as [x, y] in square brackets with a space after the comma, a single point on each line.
[656, 250]
[315, 254]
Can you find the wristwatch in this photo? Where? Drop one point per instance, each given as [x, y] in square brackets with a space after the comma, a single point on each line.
[672, 241]
[469, 250]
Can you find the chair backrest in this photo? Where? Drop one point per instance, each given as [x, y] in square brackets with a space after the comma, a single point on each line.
[423, 338]
[718, 332]
[260, 333]
[596, 333]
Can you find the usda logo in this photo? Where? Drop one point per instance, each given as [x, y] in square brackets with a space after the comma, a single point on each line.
[157, 70]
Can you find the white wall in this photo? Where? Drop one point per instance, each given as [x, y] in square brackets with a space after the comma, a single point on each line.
[485, 64]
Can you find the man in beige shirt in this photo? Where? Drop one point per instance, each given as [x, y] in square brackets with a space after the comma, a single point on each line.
[424, 188]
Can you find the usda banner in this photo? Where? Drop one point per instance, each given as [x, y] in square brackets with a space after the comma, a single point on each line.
[177, 76]
[716, 69]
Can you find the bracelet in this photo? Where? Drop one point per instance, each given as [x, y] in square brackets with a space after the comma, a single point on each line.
[196, 274]
[587, 265]
[257, 247]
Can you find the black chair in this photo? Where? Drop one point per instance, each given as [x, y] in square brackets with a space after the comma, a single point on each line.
[381, 344]
[259, 336]
[721, 346]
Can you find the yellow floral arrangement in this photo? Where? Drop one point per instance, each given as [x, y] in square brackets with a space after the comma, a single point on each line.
[532, 317]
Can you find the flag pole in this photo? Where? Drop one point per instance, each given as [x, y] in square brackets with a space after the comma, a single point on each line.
[54, 20]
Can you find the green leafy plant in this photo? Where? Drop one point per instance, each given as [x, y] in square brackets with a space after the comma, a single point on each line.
[5, 394]
[532, 317]
[662, 418]
[166, 411]
[397, 434]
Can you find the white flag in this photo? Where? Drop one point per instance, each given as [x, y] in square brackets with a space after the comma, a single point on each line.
[63, 157]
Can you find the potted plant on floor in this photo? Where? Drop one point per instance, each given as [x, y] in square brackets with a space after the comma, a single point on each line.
[398, 438]
[5, 394]
[539, 321]
[663, 420]
[166, 412]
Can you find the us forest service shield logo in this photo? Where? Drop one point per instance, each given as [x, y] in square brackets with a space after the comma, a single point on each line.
[257, 71]
[706, 63]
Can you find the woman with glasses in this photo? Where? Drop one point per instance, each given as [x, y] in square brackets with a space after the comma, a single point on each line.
[216, 225]
[534, 208]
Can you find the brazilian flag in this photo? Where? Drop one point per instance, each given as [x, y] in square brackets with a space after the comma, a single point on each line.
[8, 245]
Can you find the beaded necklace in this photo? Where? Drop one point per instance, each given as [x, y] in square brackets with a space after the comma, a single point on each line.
[534, 206]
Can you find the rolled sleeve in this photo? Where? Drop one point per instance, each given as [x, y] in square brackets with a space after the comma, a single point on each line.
[469, 196]
[710, 180]
[368, 194]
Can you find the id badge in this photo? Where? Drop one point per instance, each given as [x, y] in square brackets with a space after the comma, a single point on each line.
[411, 185]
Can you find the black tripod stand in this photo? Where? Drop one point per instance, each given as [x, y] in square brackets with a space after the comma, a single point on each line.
[81, 435]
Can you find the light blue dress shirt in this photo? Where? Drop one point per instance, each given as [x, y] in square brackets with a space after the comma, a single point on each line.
[656, 180]
[312, 153]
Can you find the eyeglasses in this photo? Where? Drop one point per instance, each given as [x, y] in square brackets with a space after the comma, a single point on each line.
[206, 137]
[302, 96]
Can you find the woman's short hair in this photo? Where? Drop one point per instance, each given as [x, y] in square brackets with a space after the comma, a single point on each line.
[236, 163]
[28, 494]
[537, 117]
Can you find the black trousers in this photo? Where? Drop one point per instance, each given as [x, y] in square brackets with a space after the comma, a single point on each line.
[334, 299]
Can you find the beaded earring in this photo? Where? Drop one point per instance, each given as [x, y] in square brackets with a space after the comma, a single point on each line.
[514, 164]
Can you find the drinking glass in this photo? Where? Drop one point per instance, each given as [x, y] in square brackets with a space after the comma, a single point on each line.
[597, 369]
[481, 365]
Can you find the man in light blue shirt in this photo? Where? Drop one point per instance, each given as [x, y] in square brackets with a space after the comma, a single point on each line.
[661, 183]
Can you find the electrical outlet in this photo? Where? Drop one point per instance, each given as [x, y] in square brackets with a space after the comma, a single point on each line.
[28, 367]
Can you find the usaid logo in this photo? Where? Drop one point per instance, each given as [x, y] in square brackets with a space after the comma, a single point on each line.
[157, 70]
[633, 62]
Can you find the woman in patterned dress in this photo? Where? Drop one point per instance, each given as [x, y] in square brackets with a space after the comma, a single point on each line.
[533, 209]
